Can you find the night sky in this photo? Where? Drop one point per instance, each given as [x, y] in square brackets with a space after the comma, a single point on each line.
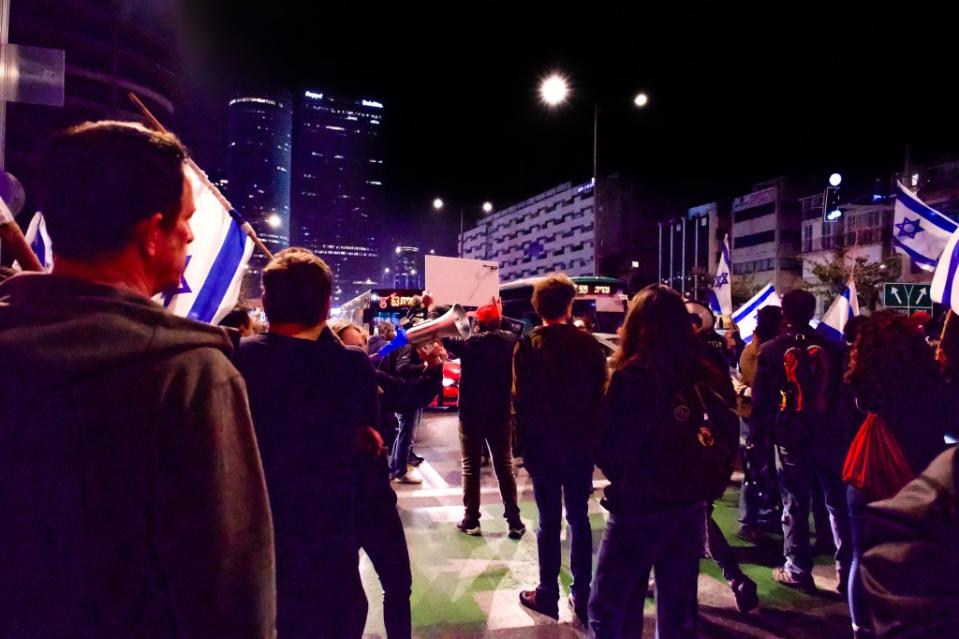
[739, 92]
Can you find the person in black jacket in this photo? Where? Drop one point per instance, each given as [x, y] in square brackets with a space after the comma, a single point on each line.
[657, 518]
[484, 409]
[379, 529]
[810, 443]
[559, 373]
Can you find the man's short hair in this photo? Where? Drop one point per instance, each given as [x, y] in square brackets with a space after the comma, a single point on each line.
[100, 179]
[799, 306]
[552, 296]
[296, 288]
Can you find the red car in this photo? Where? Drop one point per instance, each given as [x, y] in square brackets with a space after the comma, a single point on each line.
[450, 396]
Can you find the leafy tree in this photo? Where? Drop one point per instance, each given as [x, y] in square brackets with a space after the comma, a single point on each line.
[743, 288]
[831, 277]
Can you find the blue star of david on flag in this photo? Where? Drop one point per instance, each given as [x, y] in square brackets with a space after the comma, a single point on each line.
[182, 288]
[908, 228]
[721, 280]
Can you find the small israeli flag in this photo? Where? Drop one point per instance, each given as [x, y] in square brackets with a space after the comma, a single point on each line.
[746, 317]
[720, 296]
[844, 307]
[919, 231]
[216, 259]
[39, 240]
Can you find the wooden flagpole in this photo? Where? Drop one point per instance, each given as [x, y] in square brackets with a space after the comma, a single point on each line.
[244, 225]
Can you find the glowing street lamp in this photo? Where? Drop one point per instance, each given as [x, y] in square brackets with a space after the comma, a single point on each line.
[641, 100]
[274, 221]
[554, 89]
[487, 207]
[437, 204]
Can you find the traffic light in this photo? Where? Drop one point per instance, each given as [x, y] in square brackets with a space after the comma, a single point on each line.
[830, 207]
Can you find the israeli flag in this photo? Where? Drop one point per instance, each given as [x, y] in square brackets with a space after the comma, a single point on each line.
[746, 317]
[39, 240]
[945, 289]
[844, 307]
[720, 297]
[918, 230]
[216, 259]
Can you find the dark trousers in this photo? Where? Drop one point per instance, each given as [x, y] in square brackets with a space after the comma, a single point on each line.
[858, 608]
[473, 438]
[404, 441]
[569, 483]
[720, 550]
[798, 469]
[670, 543]
[380, 534]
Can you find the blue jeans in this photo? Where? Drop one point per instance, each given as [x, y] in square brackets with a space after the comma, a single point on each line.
[669, 542]
[798, 468]
[400, 456]
[858, 609]
[570, 484]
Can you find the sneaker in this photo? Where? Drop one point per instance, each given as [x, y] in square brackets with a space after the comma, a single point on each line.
[800, 582]
[516, 529]
[744, 589]
[415, 460]
[581, 610]
[470, 527]
[533, 600]
[409, 477]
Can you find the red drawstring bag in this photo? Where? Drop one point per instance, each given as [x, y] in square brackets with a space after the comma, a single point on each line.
[875, 463]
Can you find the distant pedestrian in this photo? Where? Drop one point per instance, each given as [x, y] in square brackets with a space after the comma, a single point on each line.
[385, 332]
[559, 373]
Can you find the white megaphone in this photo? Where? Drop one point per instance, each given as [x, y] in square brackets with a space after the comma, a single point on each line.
[453, 323]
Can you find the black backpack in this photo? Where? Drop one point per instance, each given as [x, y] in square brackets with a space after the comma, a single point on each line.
[696, 449]
[804, 397]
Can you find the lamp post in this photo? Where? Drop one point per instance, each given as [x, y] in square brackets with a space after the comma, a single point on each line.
[438, 206]
[554, 90]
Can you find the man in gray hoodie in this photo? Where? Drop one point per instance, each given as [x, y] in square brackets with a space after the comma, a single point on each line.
[132, 498]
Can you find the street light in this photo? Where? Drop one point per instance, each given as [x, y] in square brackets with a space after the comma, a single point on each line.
[554, 89]
[437, 204]
[274, 221]
[487, 207]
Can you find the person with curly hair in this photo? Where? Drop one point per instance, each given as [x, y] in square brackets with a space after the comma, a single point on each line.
[894, 376]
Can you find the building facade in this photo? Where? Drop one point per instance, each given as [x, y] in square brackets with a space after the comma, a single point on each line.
[260, 165]
[559, 230]
[766, 237]
[407, 268]
[689, 248]
[337, 202]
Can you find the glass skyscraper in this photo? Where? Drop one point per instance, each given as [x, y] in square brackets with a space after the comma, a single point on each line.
[338, 187]
[260, 154]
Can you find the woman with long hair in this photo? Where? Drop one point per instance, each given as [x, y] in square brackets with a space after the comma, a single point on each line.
[895, 377]
[662, 385]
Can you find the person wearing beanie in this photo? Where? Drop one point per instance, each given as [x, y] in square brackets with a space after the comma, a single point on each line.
[486, 358]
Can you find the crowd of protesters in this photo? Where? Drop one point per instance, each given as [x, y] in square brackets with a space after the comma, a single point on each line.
[162, 478]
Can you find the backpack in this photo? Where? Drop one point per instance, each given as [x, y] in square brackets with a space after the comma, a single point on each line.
[804, 398]
[695, 449]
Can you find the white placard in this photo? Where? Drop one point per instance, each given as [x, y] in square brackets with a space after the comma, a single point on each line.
[453, 280]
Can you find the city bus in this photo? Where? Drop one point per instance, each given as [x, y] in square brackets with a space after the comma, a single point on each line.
[600, 301]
